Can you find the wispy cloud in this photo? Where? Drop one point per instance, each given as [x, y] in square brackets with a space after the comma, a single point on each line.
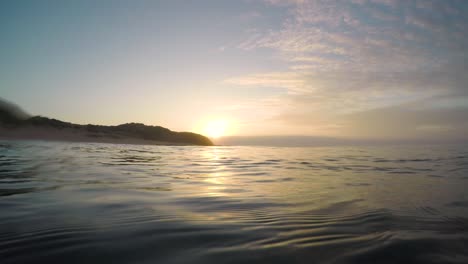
[344, 57]
[292, 81]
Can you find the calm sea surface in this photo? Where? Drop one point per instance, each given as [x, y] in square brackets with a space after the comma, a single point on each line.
[105, 203]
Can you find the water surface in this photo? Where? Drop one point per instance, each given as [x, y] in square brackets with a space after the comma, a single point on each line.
[107, 203]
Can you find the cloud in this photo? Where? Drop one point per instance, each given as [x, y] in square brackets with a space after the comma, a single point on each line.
[410, 123]
[410, 120]
[346, 60]
[407, 37]
[291, 81]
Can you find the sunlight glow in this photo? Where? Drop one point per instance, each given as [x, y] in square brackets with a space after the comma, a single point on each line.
[216, 128]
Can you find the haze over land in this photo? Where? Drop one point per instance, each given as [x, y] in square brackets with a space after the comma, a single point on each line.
[367, 70]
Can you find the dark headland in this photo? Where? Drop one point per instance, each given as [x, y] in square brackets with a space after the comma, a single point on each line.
[16, 124]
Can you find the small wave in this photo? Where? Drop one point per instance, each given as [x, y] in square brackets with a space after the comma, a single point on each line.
[150, 204]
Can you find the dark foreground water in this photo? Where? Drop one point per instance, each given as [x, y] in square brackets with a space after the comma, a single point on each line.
[104, 203]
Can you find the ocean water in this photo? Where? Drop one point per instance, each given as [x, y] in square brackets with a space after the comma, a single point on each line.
[107, 203]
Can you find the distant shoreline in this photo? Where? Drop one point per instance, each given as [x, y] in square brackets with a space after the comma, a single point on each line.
[16, 124]
[71, 135]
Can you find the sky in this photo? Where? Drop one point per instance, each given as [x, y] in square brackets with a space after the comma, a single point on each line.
[362, 69]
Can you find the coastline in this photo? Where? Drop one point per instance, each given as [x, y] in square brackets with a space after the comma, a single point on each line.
[72, 135]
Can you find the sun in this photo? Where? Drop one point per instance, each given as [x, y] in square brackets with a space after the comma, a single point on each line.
[216, 128]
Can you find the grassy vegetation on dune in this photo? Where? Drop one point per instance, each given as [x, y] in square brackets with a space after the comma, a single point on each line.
[12, 117]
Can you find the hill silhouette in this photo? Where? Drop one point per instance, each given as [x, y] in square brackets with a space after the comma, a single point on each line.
[15, 123]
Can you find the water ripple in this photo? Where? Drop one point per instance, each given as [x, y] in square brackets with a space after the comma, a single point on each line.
[104, 203]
